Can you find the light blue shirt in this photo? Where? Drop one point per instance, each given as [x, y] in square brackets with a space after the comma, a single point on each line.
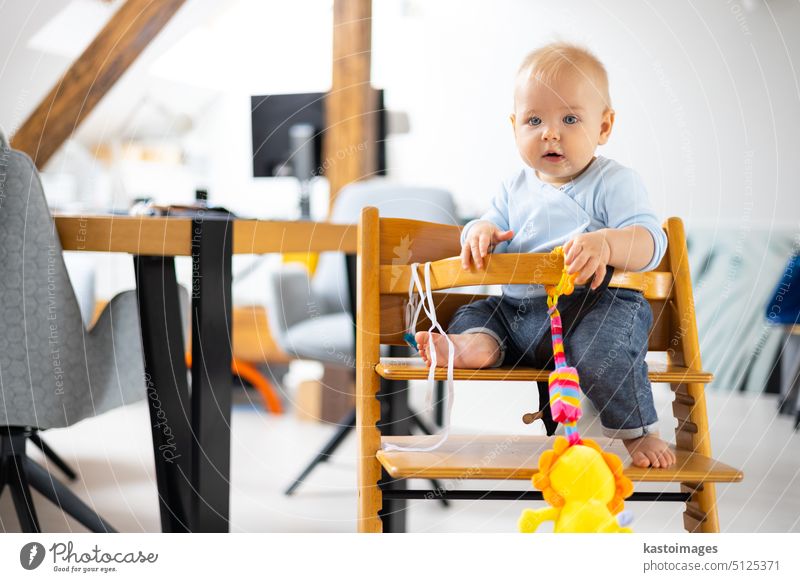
[542, 216]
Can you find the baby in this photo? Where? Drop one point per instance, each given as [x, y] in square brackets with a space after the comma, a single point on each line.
[599, 211]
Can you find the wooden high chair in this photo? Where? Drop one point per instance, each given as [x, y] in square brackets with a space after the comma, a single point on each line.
[386, 247]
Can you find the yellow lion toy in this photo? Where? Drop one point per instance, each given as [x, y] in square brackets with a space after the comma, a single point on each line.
[584, 486]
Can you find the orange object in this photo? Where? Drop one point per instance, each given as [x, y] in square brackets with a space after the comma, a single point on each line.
[256, 379]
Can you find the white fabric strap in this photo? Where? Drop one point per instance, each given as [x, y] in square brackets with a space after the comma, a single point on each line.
[413, 308]
[426, 303]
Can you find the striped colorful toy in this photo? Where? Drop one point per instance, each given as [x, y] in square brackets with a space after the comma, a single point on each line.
[564, 383]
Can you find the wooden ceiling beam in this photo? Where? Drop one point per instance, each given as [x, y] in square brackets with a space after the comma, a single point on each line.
[91, 76]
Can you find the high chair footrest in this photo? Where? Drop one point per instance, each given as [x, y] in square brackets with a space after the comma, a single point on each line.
[517, 457]
[411, 369]
[503, 495]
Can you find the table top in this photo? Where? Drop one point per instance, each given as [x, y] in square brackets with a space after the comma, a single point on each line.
[172, 236]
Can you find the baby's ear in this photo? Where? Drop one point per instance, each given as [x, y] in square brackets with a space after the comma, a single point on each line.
[513, 119]
[606, 125]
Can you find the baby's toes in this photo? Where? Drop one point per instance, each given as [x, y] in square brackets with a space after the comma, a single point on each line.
[640, 459]
[663, 459]
[423, 352]
[653, 458]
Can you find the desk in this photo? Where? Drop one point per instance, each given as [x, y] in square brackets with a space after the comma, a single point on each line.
[191, 428]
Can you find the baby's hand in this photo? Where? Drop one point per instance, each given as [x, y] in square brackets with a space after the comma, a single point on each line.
[588, 254]
[481, 236]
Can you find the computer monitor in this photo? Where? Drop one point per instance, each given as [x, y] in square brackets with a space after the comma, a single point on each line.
[272, 118]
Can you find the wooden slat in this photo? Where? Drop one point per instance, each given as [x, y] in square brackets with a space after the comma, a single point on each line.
[517, 457]
[684, 350]
[368, 410]
[543, 268]
[515, 269]
[91, 76]
[350, 150]
[685, 347]
[150, 235]
[406, 241]
[410, 369]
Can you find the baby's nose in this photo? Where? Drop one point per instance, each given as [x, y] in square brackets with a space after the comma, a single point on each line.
[550, 133]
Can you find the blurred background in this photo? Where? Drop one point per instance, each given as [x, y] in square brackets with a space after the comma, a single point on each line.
[707, 100]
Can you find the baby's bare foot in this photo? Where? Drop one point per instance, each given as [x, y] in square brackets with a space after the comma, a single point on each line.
[650, 451]
[472, 350]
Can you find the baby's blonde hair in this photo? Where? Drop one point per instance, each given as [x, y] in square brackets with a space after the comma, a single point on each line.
[550, 62]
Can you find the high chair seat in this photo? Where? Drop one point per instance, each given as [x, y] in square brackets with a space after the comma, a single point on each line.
[414, 369]
[516, 457]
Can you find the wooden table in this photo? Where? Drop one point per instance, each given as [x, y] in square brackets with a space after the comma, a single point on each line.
[191, 428]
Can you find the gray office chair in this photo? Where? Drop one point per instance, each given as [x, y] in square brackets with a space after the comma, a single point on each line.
[313, 318]
[53, 372]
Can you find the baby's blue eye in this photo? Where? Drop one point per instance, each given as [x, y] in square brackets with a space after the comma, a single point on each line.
[571, 119]
[535, 121]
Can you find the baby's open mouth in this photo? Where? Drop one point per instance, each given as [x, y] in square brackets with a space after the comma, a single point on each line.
[553, 156]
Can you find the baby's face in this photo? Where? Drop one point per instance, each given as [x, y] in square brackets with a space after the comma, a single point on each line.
[558, 126]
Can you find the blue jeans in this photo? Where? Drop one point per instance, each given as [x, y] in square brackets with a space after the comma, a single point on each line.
[608, 348]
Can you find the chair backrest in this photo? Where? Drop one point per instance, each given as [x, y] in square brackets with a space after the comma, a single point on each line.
[52, 372]
[392, 200]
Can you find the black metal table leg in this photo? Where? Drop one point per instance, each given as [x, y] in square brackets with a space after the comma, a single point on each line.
[212, 252]
[163, 348]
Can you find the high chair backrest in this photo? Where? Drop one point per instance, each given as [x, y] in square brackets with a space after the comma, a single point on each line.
[403, 242]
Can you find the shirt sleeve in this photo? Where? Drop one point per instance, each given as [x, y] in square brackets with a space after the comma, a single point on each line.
[624, 202]
[497, 214]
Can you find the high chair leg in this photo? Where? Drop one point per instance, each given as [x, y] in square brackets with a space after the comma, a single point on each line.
[700, 515]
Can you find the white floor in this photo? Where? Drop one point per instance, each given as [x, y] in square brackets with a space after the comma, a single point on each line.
[114, 457]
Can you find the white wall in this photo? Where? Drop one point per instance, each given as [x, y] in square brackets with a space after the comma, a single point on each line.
[706, 95]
